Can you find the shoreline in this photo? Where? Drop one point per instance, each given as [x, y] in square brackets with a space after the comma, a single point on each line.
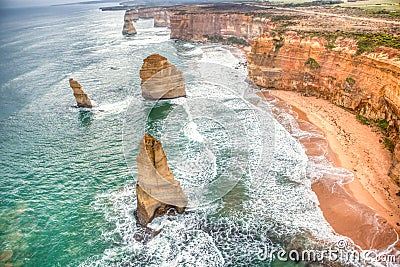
[351, 209]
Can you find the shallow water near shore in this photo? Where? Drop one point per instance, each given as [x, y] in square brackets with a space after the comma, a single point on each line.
[68, 175]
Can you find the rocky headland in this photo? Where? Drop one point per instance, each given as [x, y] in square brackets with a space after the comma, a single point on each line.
[132, 15]
[161, 79]
[82, 99]
[149, 12]
[236, 28]
[367, 83]
[160, 15]
[162, 18]
[157, 191]
[353, 62]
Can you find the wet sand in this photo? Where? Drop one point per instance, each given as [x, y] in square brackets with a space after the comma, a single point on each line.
[367, 210]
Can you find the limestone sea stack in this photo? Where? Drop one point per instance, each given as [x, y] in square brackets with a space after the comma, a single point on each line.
[156, 190]
[82, 99]
[161, 79]
[129, 29]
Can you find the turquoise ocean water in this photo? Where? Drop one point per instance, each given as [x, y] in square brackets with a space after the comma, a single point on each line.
[68, 175]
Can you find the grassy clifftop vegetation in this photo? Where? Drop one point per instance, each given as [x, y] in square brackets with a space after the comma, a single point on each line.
[366, 42]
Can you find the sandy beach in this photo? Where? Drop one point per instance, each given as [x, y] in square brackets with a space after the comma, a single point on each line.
[351, 210]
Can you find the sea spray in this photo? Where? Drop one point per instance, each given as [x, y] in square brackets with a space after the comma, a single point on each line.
[271, 202]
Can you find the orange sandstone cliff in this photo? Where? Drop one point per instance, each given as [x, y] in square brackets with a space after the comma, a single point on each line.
[215, 26]
[368, 84]
[285, 55]
[132, 14]
[149, 12]
[160, 15]
[162, 18]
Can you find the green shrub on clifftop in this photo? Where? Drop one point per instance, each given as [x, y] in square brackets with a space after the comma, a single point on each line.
[312, 63]
[350, 81]
[366, 42]
[370, 41]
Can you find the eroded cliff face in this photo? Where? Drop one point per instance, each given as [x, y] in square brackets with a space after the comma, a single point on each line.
[132, 14]
[161, 79]
[160, 15]
[368, 84]
[202, 27]
[149, 12]
[162, 18]
[157, 191]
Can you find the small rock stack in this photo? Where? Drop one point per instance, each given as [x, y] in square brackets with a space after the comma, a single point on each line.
[130, 16]
[82, 99]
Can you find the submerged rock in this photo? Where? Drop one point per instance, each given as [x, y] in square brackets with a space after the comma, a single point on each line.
[161, 79]
[156, 190]
[82, 99]
[129, 29]
[6, 255]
